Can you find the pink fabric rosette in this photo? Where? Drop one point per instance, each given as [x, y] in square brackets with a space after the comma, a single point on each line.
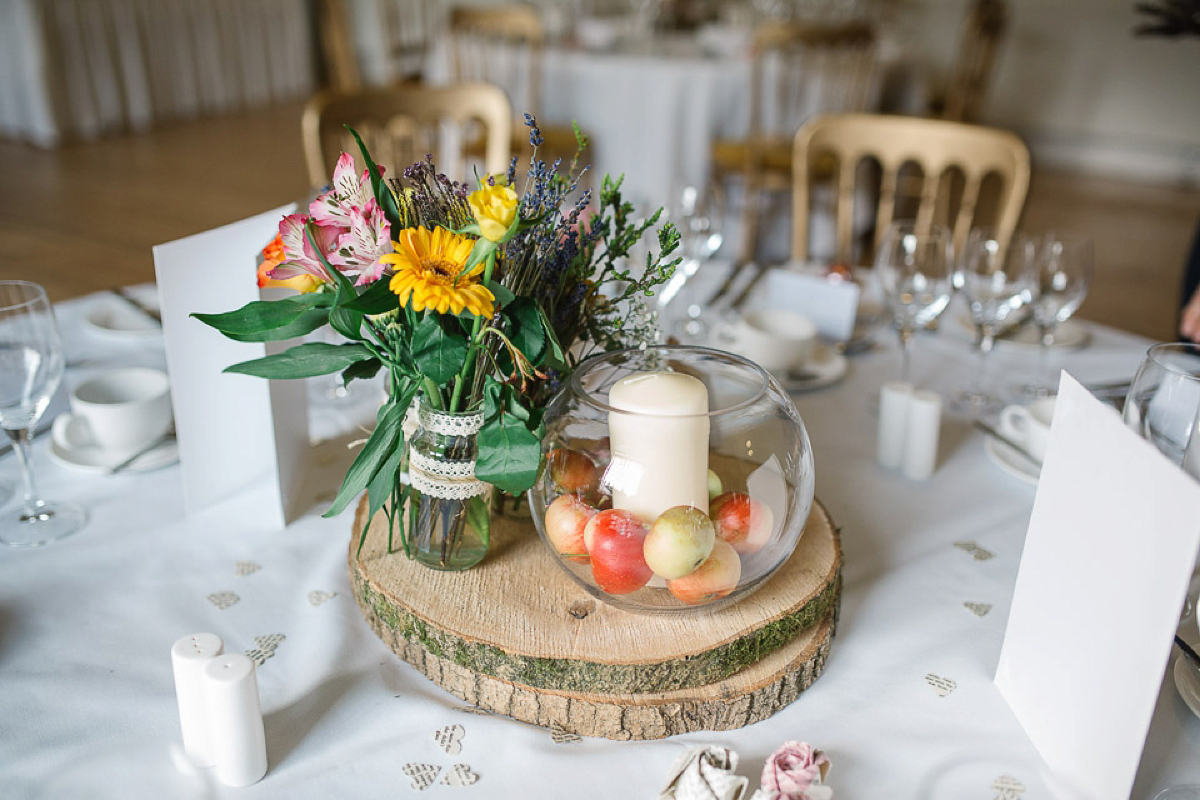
[795, 772]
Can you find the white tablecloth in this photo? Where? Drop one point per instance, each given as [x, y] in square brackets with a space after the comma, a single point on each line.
[87, 706]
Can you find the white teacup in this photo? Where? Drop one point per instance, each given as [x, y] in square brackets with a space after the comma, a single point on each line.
[124, 409]
[1029, 426]
[773, 338]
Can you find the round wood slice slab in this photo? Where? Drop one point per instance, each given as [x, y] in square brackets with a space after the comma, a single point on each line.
[518, 618]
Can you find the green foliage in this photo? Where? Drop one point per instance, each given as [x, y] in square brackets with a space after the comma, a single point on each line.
[304, 361]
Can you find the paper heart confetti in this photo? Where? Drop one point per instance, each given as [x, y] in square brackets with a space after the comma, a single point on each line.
[223, 600]
[266, 648]
[317, 597]
[978, 609]
[705, 772]
[259, 657]
[980, 553]
[1008, 788]
[450, 738]
[422, 775]
[943, 686]
[244, 568]
[561, 735]
[460, 775]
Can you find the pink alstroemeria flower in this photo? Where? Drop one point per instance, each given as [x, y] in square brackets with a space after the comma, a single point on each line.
[795, 772]
[347, 195]
[299, 257]
[360, 248]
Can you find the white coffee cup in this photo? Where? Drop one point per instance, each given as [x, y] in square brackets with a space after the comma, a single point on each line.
[1029, 426]
[775, 339]
[124, 409]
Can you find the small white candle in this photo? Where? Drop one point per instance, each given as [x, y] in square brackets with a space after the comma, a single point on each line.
[189, 655]
[921, 443]
[894, 399]
[659, 449]
[235, 720]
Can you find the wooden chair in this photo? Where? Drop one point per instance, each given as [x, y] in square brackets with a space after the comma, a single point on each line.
[982, 33]
[404, 28]
[503, 44]
[797, 70]
[929, 170]
[401, 124]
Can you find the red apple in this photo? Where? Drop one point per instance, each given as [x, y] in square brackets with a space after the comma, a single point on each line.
[572, 470]
[614, 540]
[566, 519]
[679, 541]
[742, 521]
[716, 577]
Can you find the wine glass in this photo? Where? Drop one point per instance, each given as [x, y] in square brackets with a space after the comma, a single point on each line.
[698, 214]
[1063, 272]
[31, 367]
[912, 268]
[996, 279]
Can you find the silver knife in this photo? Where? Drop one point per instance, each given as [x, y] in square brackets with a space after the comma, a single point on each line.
[1000, 437]
[146, 310]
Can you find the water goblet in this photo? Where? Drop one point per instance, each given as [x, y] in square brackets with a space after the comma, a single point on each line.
[1062, 274]
[31, 367]
[996, 279]
[912, 268]
[698, 214]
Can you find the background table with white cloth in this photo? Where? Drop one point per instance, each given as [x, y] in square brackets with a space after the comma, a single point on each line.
[906, 707]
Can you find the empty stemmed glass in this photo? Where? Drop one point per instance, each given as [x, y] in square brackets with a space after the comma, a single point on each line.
[31, 367]
[698, 214]
[996, 279]
[912, 268]
[1063, 271]
[1163, 404]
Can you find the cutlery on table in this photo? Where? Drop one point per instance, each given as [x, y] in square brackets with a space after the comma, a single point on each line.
[1191, 654]
[146, 310]
[154, 445]
[1000, 437]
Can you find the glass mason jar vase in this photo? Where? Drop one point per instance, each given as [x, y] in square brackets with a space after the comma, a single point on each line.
[677, 479]
[443, 492]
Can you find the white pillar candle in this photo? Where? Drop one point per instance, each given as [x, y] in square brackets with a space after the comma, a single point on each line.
[921, 443]
[189, 656]
[894, 400]
[660, 448]
[235, 720]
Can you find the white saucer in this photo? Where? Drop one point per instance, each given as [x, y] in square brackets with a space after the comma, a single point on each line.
[826, 368]
[70, 447]
[113, 318]
[1011, 462]
[1069, 335]
[1187, 681]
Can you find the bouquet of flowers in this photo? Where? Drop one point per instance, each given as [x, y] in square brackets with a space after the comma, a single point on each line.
[475, 304]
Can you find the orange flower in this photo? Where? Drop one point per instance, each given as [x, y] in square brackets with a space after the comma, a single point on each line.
[272, 257]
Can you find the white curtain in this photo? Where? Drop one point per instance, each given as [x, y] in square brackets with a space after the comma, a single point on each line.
[83, 68]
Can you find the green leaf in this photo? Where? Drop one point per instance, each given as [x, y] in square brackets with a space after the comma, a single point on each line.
[502, 293]
[439, 355]
[555, 358]
[271, 320]
[383, 195]
[304, 361]
[525, 327]
[361, 370]
[384, 440]
[509, 455]
[377, 299]
[379, 489]
[479, 517]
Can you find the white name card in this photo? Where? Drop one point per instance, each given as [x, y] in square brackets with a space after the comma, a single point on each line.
[236, 432]
[830, 304]
[1108, 556]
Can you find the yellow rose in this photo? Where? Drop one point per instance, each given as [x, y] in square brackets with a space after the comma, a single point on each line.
[495, 208]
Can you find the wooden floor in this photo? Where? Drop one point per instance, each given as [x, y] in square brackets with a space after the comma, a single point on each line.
[84, 217]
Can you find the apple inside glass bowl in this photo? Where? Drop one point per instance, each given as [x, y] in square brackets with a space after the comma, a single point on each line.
[676, 479]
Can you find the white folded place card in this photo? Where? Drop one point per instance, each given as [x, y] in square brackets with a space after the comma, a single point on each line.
[830, 304]
[1108, 556]
[236, 432]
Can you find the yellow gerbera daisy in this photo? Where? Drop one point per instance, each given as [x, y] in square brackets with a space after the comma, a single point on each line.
[429, 270]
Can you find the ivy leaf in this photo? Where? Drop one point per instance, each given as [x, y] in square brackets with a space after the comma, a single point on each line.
[272, 320]
[304, 361]
[377, 299]
[509, 454]
[379, 448]
[438, 354]
[525, 327]
[361, 370]
[555, 357]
